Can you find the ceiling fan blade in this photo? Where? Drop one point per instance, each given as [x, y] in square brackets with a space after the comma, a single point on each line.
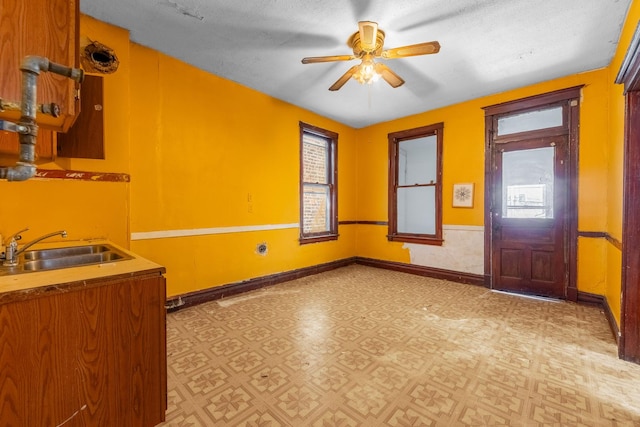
[388, 75]
[344, 78]
[368, 35]
[315, 59]
[412, 50]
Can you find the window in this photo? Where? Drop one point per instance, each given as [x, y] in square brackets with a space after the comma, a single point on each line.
[531, 120]
[527, 183]
[415, 185]
[318, 185]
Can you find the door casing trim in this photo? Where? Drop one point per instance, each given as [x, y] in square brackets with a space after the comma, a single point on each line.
[571, 96]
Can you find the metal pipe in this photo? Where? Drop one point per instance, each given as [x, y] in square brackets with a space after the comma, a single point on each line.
[51, 109]
[31, 67]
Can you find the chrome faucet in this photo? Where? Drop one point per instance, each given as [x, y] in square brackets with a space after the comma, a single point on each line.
[12, 252]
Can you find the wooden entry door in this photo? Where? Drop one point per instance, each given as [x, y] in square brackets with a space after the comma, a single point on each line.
[529, 223]
[531, 228]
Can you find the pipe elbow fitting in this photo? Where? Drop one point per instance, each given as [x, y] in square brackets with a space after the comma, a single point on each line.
[31, 67]
[34, 64]
[20, 172]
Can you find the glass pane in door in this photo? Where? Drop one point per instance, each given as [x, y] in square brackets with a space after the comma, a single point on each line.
[527, 183]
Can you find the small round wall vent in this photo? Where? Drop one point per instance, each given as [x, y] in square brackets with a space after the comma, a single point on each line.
[261, 249]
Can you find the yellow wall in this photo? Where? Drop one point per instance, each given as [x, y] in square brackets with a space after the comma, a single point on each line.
[615, 165]
[84, 209]
[463, 161]
[117, 113]
[208, 153]
[600, 169]
[202, 152]
[205, 153]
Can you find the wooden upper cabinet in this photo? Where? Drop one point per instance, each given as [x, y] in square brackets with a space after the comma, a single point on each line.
[46, 28]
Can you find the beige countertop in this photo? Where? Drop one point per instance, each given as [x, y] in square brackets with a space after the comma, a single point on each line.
[19, 286]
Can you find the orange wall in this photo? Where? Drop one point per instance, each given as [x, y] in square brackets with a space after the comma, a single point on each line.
[463, 161]
[202, 152]
[208, 153]
[85, 209]
[205, 153]
[600, 169]
[616, 104]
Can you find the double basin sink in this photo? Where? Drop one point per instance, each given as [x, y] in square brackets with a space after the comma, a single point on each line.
[57, 258]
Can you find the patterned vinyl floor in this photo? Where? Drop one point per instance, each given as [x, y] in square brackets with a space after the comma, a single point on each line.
[361, 346]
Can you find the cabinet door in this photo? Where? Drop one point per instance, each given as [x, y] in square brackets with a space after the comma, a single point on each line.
[40, 383]
[95, 356]
[46, 28]
[85, 139]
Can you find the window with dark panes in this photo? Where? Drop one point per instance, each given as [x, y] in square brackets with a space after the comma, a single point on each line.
[318, 194]
[415, 185]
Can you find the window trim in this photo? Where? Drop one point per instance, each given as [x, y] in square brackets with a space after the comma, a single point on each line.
[332, 138]
[395, 138]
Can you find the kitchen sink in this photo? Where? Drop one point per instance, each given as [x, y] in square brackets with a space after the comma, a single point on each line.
[72, 256]
[43, 254]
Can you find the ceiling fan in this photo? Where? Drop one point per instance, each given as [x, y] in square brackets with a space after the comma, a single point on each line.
[367, 46]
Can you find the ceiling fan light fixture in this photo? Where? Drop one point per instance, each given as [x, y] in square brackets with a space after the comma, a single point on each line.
[367, 44]
[366, 73]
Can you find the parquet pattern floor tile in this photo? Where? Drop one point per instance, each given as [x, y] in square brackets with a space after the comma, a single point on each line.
[360, 346]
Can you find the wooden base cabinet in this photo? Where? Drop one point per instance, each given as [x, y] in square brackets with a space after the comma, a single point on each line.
[92, 354]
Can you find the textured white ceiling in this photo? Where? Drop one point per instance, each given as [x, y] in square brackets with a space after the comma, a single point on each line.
[488, 46]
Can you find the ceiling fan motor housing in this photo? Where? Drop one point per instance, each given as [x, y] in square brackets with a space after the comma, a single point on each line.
[355, 43]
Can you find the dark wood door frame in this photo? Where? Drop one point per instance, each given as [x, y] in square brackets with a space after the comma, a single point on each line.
[629, 75]
[569, 97]
[629, 342]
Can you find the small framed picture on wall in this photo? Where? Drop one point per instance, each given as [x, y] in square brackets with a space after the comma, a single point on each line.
[463, 195]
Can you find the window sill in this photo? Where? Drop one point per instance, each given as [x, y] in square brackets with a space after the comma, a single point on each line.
[318, 239]
[421, 240]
